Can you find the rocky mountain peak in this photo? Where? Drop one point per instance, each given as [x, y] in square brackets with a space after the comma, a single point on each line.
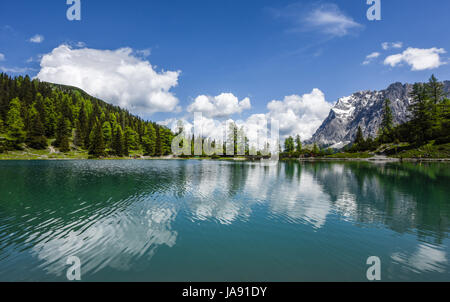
[364, 109]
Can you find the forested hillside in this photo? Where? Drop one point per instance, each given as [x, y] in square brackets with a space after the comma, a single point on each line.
[36, 114]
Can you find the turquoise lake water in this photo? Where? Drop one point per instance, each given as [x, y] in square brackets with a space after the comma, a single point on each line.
[223, 221]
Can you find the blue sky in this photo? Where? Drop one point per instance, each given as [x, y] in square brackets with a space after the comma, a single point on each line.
[256, 49]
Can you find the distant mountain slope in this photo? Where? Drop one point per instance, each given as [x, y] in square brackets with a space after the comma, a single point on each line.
[365, 109]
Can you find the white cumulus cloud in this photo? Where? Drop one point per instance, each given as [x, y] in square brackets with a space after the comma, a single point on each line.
[388, 45]
[296, 114]
[300, 114]
[417, 58]
[371, 57]
[116, 76]
[2, 57]
[223, 105]
[37, 39]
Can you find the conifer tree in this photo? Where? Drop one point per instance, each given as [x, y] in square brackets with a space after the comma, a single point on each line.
[107, 133]
[298, 143]
[97, 144]
[315, 150]
[126, 142]
[387, 122]
[158, 143]
[422, 118]
[289, 145]
[63, 131]
[435, 90]
[50, 118]
[36, 136]
[15, 123]
[79, 136]
[64, 145]
[84, 133]
[117, 141]
[359, 140]
[149, 140]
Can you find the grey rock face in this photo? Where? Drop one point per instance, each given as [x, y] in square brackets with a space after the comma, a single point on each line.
[364, 109]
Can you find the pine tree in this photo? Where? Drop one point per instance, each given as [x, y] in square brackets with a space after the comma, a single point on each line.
[64, 145]
[421, 110]
[117, 141]
[15, 123]
[97, 144]
[435, 90]
[84, 133]
[107, 133]
[158, 143]
[387, 122]
[50, 118]
[40, 108]
[126, 142]
[79, 136]
[36, 136]
[63, 131]
[315, 150]
[149, 140]
[298, 143]
[359, 140]
[289, 145]
[131, 138]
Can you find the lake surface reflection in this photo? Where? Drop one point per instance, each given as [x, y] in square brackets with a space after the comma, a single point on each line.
[223, 221]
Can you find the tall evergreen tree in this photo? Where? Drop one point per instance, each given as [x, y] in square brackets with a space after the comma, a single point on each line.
[149, 140]
[84, 133]
[36, 136]
[126, 141]
[97, 144]
[435, 90]
[316, 149]
[359, 140]
[289, 145]
[387, 123]
[79, 135]
[298, 143]
[63, 133]
[117, 141]
[422, 118]
[64, 144]
[14, 121]
[50, 118]
[158, 143]
[107, 133]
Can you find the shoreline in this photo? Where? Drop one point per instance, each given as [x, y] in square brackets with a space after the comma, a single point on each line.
[316, 159]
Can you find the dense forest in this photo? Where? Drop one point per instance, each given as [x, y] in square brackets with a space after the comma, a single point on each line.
[35, 114]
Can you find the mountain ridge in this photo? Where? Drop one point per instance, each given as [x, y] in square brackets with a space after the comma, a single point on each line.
[364, 109]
